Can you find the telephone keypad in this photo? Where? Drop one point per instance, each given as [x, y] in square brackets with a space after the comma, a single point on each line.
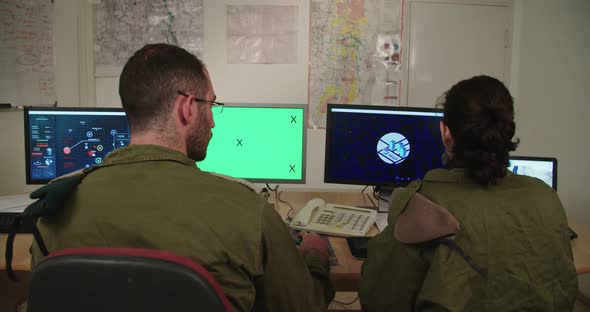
[325, 218]
[356, 222]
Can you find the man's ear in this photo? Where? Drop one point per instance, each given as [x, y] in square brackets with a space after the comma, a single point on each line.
[184, 109]
[446, 137]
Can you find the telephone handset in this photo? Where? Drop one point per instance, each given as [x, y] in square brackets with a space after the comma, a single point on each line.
[338, 220]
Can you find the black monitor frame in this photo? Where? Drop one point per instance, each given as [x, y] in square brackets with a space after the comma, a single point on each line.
[543, 159]
[26, 114]
[379, 184]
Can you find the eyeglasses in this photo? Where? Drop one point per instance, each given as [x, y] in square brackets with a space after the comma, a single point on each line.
[216, 107]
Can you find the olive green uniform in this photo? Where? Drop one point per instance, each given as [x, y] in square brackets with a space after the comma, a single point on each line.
[147, 196]
[516, 231]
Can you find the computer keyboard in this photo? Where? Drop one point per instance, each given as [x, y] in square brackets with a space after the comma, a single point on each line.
[358, 246]
[6, 219]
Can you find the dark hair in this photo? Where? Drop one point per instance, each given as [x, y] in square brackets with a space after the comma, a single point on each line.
[480, 115]
[150, 81]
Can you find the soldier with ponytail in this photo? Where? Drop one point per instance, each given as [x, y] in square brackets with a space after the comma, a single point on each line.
[478, 128]
[473, 236]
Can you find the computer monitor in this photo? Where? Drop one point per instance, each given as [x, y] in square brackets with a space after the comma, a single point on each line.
[259, 142]
[256, 142]
[59, 140]
[542, 168]
[381, 145]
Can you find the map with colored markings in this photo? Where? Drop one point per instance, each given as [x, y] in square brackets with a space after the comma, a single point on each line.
[343, 44]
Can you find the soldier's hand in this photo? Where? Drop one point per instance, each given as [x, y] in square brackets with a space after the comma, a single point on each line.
[314, 245]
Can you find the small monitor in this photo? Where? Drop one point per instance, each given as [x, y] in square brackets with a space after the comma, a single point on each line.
[381, 145]
[260, 143]
[542, 168]
[61, 140]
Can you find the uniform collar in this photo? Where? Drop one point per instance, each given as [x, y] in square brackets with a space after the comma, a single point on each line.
[455, 175]
[140, 153]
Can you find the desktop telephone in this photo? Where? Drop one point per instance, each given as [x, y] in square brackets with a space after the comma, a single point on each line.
[338, 220]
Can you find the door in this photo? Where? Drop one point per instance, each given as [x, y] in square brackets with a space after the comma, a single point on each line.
[449, 42]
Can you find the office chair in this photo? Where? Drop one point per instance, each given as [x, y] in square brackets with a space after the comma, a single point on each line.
[122, 279]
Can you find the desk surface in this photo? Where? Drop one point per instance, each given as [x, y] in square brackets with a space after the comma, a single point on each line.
[347, 273]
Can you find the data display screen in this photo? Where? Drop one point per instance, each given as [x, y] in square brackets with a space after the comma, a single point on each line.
[61, 140]
[260, 143]
[381, 145]
[542, 168]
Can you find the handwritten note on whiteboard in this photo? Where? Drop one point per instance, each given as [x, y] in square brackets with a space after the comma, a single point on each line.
[27, 74]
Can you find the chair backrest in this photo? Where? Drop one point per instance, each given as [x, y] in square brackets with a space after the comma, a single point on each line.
[122, 279]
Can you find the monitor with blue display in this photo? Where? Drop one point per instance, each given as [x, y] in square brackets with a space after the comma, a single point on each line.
[542, 168]
[381, 145]
[61, 140]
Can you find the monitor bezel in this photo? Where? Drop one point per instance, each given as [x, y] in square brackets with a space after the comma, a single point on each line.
[304, 129]
[328, 179]
[553, 160]
[26, 113]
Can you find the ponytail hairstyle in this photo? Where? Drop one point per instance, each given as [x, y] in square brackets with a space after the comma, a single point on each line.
[479, 112]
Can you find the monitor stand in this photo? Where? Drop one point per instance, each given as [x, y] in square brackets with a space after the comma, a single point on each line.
[384, 197]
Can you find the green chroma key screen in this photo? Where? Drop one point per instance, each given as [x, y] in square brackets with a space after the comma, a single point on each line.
[264, 144]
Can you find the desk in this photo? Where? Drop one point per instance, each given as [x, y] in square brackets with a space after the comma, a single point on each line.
[345, 275]
[11, 293]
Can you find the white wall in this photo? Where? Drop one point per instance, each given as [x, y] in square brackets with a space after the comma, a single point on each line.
[550, 79]
[253, 83]
[547, 78]
[67, 66]
[552, 94]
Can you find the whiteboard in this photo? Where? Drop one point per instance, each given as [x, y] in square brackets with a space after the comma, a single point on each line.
[27, 75]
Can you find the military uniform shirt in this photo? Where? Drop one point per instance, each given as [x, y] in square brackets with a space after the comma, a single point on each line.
[516, 231]
[147, 196]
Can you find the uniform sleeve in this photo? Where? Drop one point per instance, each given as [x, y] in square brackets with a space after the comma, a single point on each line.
[289, 282]
[393, 272]
[392, 275]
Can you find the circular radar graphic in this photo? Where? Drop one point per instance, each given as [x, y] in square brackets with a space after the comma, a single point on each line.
[393, 148]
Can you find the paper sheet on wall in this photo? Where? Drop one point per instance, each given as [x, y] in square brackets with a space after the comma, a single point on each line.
[124, 26]
[343, 44]
[262, 34]
[27, 74]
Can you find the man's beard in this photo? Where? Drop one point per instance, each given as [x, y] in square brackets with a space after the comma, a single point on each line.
[198, 140]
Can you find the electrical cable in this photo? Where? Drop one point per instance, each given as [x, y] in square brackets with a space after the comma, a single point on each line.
[289, 217]
[271, 189]
[364, 188]
[276, 192]
[368, 196]
[277, 200]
